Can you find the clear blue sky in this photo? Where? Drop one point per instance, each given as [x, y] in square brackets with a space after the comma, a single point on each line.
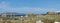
[25, 6]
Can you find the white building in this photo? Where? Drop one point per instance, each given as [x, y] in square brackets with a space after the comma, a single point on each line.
[39, 21]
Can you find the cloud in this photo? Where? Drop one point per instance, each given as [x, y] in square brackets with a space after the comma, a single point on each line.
[4, 6]
[25, 9]
[57, 11]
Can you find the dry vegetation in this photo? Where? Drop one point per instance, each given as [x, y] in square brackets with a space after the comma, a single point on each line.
[31, 19]
[45, 19]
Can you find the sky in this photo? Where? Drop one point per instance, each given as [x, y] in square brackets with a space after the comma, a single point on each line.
[26, 6]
